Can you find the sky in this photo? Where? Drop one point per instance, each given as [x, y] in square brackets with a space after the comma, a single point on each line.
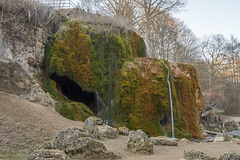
[207, 17]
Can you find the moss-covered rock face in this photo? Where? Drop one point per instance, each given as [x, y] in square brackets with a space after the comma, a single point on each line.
[190, 96]
[105, 61]
[92, 56]
[143, 99]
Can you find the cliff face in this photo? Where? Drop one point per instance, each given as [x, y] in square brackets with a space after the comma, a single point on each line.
[21, 55]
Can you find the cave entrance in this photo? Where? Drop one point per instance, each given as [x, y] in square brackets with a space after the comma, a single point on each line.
[75, 93]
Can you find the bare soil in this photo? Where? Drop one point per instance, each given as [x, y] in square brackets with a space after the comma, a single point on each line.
[24, 126]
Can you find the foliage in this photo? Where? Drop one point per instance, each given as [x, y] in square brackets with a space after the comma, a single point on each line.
[74, 110]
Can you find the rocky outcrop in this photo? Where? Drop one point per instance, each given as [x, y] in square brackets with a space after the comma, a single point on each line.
[77, 143]
[138, 141]
[107, 131]
[21, 56]
[165, 141]
[230, 156]
[90, 127]
[48, 154]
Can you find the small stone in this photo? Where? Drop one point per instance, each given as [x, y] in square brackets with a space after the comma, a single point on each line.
[97, 121]
[196, 155]
[90, 127]
[162, 140]
[229, 156]
[123, 131]
[49, 154]
[138, 141]
[235, 140]
[108, 132]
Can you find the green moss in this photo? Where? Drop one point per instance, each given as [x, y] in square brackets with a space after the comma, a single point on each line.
[74, 111]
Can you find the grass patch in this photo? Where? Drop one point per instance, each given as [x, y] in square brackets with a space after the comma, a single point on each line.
[236, 136]
[220, 113]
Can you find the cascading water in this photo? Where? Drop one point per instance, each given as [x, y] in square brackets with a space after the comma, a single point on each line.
[169, 86]
[147, 48]
[170, 98]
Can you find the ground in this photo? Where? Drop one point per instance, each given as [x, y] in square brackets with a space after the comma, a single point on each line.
[24, 126]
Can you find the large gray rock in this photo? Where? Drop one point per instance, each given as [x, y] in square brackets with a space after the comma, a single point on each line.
[107, 132]
[162, 140]
[230, 156]
[138, 141]
[77, 143]
[47, 154]
[90, 127]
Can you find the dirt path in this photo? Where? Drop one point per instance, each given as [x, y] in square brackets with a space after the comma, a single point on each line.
[25, 125]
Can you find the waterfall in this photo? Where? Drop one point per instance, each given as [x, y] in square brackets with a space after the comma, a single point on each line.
[147, 48]
[170, 98]
[99, 102]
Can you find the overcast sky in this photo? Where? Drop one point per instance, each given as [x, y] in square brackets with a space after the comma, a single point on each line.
[206, 17]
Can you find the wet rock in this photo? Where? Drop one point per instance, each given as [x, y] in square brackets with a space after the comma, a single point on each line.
[90, 127]
[162, 140]
[123, 131]
[107, 131]
[229, 156]
[97, 121]
[48, 154]
[196, 155]
[231, 125]
[138, 141]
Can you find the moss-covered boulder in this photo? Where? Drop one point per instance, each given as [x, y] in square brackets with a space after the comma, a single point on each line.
[143, 98]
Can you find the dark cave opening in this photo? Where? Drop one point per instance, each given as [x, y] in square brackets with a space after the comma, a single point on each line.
[75, 93]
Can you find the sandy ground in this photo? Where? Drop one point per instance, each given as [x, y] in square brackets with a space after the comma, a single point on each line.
[25, 125]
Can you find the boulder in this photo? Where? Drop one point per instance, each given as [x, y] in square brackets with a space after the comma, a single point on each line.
[229, 156]
[77, 143]
[235, 140]
[48, 154]
[162, 140]
[90, 127]
[196, 155]
[138, 141]
[123, 131]
[97, 121]
[231, 125]
[107, 131]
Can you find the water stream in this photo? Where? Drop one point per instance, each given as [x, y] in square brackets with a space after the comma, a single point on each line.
[170, 98]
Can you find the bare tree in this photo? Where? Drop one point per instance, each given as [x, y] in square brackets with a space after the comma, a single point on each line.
[153, 8]
[213, 51]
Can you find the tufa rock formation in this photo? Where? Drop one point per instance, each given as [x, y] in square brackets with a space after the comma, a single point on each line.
[138, 141]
